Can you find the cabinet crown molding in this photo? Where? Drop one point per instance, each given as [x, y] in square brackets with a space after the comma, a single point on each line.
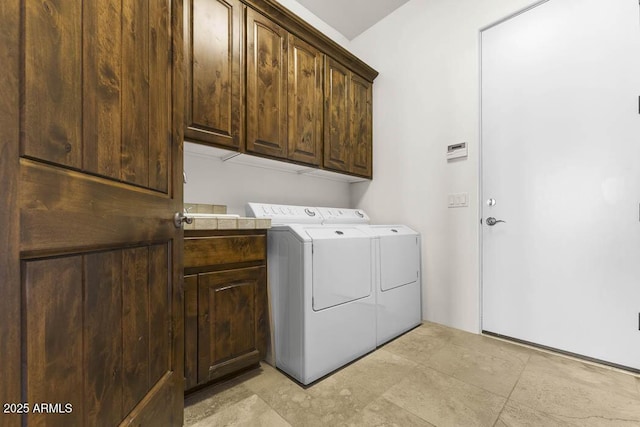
[302, 29]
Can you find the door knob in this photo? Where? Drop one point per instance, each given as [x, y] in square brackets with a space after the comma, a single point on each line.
[181, 217]
[491, 221]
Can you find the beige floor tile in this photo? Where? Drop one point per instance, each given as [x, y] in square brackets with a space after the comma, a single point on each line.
[445, 401]
[489, 345]
[482, 369]
[332, 400]
[378, 371]
[587, 374]
[433, 330]
[571, 390]
[515, 414]
[267, 382]
[381, 412]
[432, 374]
[251, 411]
[419, 344]
[209, 401]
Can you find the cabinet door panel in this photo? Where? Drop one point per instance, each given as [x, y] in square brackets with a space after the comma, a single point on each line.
[191, 331]
[53, 82]
[337, 126]
[135, 92]
[266, 86]
[214, 106]
[97, 88]
[305, 102]
[230, 321]
[361, 135]
[98, 330]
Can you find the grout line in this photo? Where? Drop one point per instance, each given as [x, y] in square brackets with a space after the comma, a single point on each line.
[515, 384]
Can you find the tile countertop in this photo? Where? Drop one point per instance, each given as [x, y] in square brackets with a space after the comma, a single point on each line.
[237, 223]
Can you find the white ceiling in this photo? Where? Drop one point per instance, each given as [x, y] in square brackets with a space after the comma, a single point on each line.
[351, 17]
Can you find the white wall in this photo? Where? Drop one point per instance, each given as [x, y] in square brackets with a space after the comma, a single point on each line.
[212, 181]
[425, 98]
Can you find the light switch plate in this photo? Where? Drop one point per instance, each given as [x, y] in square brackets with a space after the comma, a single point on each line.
[458, 200]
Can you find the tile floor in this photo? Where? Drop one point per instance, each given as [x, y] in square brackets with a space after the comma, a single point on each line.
[431, 376]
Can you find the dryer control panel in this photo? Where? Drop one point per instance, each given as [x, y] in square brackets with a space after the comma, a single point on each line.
[343, 216]
[284, 214]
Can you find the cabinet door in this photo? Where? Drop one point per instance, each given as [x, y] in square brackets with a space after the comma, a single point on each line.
[212, 53]
[190, 331]
[232, 321]
[337, 126]
[305, 102]
[361, 135]
[266, 86]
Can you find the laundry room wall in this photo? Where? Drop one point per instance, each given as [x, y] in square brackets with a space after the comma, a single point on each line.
[425, 98]
[212, 181]
[209, 180]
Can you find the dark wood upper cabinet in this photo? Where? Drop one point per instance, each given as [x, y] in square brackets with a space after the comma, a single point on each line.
[361, 123]
[337, 123]
[262, 81]
[266, 86]
[348, 121]
[214, 110]
[305, 102]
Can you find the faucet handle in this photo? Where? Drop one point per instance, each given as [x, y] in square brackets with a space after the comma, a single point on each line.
[186, 210]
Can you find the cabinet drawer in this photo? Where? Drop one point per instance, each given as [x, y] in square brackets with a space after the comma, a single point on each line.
[220, 250]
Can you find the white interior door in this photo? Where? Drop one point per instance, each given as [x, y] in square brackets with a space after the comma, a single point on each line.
[561, 159]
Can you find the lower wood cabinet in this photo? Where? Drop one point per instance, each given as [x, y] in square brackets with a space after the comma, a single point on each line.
[226, 309]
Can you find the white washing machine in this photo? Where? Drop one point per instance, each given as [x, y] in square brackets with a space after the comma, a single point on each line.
[398, 280]
[321, 278]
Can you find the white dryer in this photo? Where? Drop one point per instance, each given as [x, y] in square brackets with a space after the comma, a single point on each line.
[398, 280]
[321, 278]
